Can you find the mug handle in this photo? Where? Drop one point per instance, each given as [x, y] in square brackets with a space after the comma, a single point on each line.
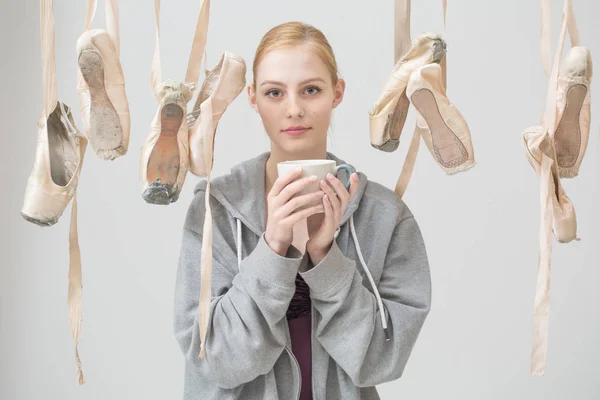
[350, 169]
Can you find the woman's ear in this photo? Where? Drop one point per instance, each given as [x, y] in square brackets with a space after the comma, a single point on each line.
[252, 97]
[338, 92]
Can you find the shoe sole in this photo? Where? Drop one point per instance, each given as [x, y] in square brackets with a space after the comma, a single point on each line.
[164, 162]
[449, 151]
[567, 138]
[39, 221]
[105, 132]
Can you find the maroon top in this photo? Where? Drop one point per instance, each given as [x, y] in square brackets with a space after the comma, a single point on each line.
[298, 316]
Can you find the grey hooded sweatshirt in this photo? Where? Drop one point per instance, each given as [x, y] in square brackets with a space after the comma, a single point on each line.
[375, 275]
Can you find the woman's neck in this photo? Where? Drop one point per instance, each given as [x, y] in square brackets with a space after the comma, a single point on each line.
[277, 155]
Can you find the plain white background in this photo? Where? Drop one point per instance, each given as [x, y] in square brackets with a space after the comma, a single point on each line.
[481, 227]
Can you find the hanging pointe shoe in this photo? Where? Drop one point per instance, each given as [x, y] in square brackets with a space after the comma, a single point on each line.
[55, 174]
[221, 86]
[387, 117]
[101, 86]
[538, 146]
[164, 159]
[444, 130]
[573, 104]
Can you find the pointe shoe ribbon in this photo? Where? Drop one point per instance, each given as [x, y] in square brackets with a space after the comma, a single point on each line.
[164, 158]
[101, 85]
[55, 174]
[557, 217]
[557, 211]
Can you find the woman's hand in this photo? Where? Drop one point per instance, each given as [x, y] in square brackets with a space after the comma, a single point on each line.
[335, 202]
[281, 209]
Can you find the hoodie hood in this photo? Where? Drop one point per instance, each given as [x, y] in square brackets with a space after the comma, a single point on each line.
[248, 205]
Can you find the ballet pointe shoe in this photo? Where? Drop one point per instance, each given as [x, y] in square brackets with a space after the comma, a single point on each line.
[101, 87]
[164, 159]
[538, 145]
[443, 128]
[573, 105]
[221, 86]
[55, 174]
[387, 117]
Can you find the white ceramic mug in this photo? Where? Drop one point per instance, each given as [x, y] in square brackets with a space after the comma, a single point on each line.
[320, 168]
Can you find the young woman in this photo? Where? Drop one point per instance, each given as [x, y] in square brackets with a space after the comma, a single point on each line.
[317, 302]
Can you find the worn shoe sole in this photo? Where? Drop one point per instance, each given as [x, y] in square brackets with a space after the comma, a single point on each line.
[164, 162]
[567, 138]
[106, 132]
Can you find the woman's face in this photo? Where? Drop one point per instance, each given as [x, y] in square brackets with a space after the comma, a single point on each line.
[295, 96]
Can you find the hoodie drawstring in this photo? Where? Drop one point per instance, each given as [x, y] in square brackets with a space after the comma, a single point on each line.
[366, 269]
[239, 242]
[382, 313]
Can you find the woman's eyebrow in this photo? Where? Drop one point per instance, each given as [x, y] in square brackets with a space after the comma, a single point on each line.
[301, 83]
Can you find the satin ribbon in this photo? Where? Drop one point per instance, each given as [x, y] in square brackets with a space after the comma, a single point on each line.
[547, 187]
[47, 32]
[112, 19]
[206, 129]
[194, 63]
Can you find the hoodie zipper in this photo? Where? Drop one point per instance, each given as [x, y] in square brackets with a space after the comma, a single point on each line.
[312, 320]
[312, 381]
[295, 361]
[299, 374]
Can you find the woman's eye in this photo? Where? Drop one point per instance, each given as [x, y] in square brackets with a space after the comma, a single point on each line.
[273, 93]
[314, 90]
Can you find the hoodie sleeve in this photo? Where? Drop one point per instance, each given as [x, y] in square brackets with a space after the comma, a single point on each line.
[348, 324]
[246, 331]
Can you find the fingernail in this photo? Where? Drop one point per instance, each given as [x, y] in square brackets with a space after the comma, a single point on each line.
[354, 176]
[329, 176]
[298, 169]
[313, 178]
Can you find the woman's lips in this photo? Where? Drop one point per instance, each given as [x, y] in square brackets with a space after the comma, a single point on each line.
[295, 132]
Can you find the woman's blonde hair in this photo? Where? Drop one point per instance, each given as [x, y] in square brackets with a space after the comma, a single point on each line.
[292, 34]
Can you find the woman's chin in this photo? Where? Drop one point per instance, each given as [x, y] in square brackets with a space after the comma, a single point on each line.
[305, 143]
[296, 146]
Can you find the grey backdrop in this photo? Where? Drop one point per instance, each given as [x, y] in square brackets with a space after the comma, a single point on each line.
[480, 227]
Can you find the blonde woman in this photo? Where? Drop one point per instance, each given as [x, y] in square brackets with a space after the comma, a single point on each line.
[309, 301]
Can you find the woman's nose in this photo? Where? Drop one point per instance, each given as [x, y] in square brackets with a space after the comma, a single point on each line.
[294, 107]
